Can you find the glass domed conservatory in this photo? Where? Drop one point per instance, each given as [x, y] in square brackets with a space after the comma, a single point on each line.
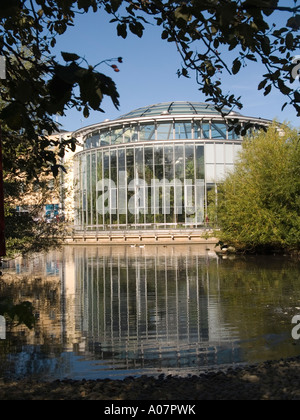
[153, 167]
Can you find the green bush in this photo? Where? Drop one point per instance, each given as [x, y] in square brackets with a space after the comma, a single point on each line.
[258, 205]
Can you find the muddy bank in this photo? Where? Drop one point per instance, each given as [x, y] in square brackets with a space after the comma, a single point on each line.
[278, 380]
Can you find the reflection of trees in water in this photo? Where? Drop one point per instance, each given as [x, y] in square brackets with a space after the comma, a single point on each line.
[260, 295]
[45, 299]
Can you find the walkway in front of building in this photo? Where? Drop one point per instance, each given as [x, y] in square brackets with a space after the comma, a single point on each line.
[142, 237]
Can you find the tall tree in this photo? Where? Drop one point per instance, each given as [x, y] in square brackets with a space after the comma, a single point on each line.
[204, 30]
[39, 86]
[258, 205]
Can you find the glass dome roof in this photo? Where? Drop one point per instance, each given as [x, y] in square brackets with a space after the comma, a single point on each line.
[174, 108]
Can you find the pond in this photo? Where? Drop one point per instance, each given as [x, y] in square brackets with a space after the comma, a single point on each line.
[113, 312]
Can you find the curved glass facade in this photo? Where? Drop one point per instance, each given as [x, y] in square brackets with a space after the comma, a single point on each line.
[177, 130]
[151, 174]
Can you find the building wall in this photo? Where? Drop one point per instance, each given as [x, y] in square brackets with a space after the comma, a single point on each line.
[154, 167]
[56, 199]
[154, 183]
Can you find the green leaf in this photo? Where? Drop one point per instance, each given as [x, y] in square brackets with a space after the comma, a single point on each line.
[137, 29]
[69, 56]
[115, 5]
[236, 66]
[185, 73]
[90, 91]
[294, 22]
[285, 90]
[251, 57]
[183, 13]
[297, 96]
[60, 93]
[8, 8]
[165, 35]
[268, 90]
[289, 41]
[12, 115]
[265, 45]
[262, 84]
[23, 91]
[122, 30]
[85, 4]
[86, 112]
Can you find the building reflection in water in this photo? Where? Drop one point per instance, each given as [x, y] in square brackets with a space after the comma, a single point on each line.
[117, 311]
[152, 308]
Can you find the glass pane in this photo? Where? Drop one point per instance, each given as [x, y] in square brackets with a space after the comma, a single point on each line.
[93, 141]
[206, 130]
[99, 167]
[200, 199]
[200, 162]
[169, 172]
[139, 162]
[147, 132]
[130, 164]
[182, 108]
[105, 138]
[220, 153]
[218, 131]
[183, 130]
[169, 155]
[149, 170]
[99, 208]
[117, 136]
[189, 163]
[149, 156]
[76, 190]
[113, 166]
[159, 162]
[210, 153]
[122, 203]
[135, 134]
[159, 155]
[232, 134]
[165, 131]
[198, 130]
[87, 144]
[121, 157]
[106, 165]
[169, 162]
[94, 192]
[229, 153]
[179, 163]
[210, 173]
[127, 134]
[88, 189]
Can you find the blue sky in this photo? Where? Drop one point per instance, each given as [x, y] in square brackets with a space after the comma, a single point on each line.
[148, 74]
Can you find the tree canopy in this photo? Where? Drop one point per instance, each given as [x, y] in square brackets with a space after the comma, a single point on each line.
[203, 30]
[39, 85]
[258, 205]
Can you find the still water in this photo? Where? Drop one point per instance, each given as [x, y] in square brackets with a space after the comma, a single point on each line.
[113, 312]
